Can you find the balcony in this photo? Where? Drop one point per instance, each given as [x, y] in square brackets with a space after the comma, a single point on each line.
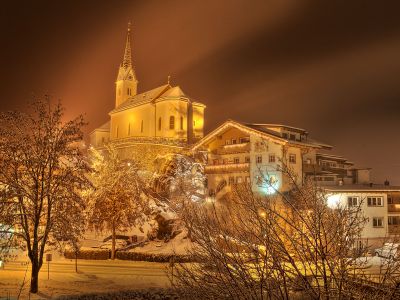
[394, 208]
[394, 229]
[232, 149]
[227, 168]
[311, 168]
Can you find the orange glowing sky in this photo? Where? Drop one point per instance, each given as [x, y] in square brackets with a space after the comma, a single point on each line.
[331, 67]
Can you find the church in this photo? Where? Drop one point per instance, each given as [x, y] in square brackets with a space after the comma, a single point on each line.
[164, 116]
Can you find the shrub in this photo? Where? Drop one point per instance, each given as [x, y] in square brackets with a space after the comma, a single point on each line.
[162, 258]
[96, 254]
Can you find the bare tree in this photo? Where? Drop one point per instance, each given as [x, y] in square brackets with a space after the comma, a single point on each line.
[42, 170]
[274, 247]
[116, 202]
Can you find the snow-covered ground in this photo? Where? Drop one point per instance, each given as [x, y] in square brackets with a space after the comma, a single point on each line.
[179, 245]
[92, 276]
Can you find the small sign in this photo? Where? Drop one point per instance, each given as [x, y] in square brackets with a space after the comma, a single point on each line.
[49, 257]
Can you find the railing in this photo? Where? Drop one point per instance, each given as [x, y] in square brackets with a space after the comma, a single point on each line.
[311, 168]
[232, 148]
[226, 168]
[394, 208]
[394, 229]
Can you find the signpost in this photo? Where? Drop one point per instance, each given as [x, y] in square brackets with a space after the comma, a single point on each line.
[49, 258]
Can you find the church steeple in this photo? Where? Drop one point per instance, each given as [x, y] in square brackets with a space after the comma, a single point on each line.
[126, 84]
[127, 62]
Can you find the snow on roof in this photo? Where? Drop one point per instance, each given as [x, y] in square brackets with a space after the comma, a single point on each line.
[362, 188]
[301, 130]
[142, 98]
[258, 130]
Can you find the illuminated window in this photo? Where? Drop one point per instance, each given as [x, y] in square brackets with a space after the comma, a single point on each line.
[377, 222]
[171, 122]
[247, 179]
[159, 124]
[227, 142]
[375, 201]
[259, 159]
[271, 158]
[141, 126]
[181, 123]
[292, 158]
[352, 201]
[236, 160]
[239, 179]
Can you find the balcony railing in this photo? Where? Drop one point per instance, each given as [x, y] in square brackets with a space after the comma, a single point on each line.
[394, 229]
[232, 148]
[311, 168]
[394, 208]
[226, 168]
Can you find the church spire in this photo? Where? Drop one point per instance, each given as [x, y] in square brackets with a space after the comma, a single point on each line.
[127, 62]
[126, 84]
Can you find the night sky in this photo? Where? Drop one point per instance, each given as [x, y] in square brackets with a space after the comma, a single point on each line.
[331, 67]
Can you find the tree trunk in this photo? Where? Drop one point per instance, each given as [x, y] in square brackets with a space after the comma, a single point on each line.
[113, 243]
[35, 277]
[76, 261]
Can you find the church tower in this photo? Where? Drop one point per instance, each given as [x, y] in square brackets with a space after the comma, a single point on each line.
[126, 84]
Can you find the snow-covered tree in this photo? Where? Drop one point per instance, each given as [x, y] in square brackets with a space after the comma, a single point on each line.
[42, 170]
[179, 175]
[116, 201]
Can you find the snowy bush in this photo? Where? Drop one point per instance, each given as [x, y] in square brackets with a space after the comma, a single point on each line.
[96, 254]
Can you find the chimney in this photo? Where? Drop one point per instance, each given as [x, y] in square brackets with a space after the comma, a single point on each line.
[386, 183]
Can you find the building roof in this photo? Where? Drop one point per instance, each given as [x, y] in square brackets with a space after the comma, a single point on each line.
[257, 129]
[105, 127]
[362, 188]
[142, 98]
[290, 128]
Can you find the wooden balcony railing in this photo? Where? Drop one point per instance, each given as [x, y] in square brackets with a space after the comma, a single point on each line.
[394, 229]
[226, 168]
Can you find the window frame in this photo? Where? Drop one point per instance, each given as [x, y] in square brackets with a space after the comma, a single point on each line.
[292, 158]
[376, 221]
[370, 201]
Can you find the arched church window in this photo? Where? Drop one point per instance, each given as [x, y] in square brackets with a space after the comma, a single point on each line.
[171, 122]
[116, 132]
[141, 126]
[129, 129]
[181, 123]
[159, 124]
